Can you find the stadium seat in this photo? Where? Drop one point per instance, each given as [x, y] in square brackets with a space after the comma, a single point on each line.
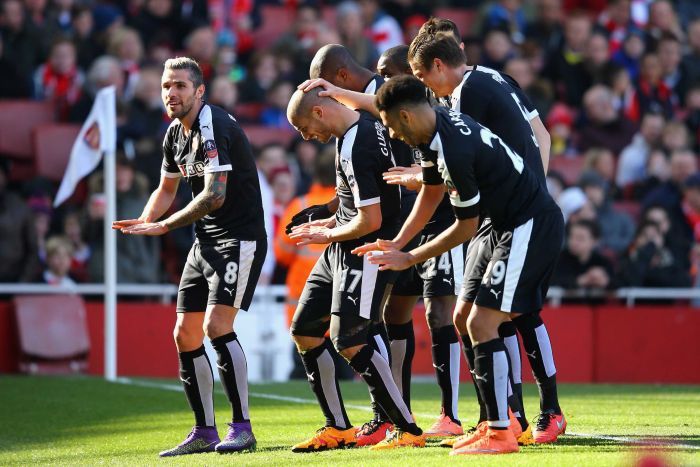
[464, 19]
[53, 333]
[52, 145]
[569, 167]
[260, 135]
[276, 20]
[17, 120]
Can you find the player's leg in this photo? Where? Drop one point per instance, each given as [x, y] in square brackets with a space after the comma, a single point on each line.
[195, 369]
[232, 270]
[308, 329]
[515, 386]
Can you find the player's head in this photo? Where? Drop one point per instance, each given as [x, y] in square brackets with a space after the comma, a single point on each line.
[437, 25]
[182, 86]
[430, 56]
[405, 110]
[394, 62]
[335, 64]
[309, 114]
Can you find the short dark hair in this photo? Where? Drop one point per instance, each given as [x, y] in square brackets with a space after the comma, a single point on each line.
[425, 48]
[189, 64]
[589, 225]
[435, 25]
[404, 89]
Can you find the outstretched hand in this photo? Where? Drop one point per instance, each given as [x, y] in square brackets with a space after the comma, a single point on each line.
[310, 233]
[409, 177]
[145, 228]
[329, 90]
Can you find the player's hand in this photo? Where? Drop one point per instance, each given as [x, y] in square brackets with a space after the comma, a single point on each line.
[119, 225]
[146, 228]
[329, 90]
[312, 213]
[379, 245]
[409, 177]
[395, 260]
[308, 234]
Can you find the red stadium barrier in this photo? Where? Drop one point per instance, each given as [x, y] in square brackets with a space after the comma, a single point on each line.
[606, 344]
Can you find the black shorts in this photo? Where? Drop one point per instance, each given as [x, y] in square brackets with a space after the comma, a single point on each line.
[516, 265]
[223, 274]
[345, 293]
[437, 277]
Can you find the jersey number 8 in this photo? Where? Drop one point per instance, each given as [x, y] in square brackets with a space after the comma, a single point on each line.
[231, 272]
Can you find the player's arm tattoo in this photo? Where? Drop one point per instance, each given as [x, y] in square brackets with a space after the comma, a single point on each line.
[210, 199]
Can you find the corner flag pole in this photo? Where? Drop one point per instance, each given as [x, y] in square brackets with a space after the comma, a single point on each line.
[110, 239]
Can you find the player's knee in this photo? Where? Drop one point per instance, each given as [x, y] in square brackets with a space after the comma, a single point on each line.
[349, 352]
[461, 315]
[437, 313]
[187, 338]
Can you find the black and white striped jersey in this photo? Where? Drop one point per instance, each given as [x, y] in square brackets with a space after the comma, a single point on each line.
[217, 143]
[481, 172]
[496, 101]
[362, 155]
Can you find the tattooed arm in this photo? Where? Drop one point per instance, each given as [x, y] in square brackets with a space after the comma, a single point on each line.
[209, 200]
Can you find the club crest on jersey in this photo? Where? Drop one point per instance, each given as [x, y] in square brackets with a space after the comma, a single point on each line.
[210, 149]
[195, 169]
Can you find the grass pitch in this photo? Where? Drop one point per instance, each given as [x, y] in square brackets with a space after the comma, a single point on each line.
[88, 421]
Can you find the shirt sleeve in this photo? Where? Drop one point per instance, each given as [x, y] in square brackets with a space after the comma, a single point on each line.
[462, 188]
[428, 163]
[169, 168]
[217, 152]
[361, 171]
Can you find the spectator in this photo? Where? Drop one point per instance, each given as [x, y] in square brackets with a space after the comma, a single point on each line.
[59, 252]
[631, 52]
[351, 29]
[269, 158]
[662, 20]
[299, 42]
[633, 159]
[42, 214]
[305, 155]
[692, 119]
[616, 228]
[618, 80]
[566, 68]
[669, 51]
[262, 72]
[616, 19]
[691, 205]
[125, 45]
[21, 47]
[275, 113]
[283, 189]
[690, 64]
[60, 15]
[649, 262]
[384, 29]
[73, 232]
[18, 248]
[507, 16]
[497, 49]
[83, 36]
[161, 16]
[224, 93]
[605, 127]
[651, 92]
[200, 45]
[560, 125]
[675, 237]
[597, 55]
[105, 71]
[545, 29]
[138, 255]
[675, 137]
[575, 205]
[657, 170]
[601, 163]
[555, 184]
[580, 264]
[59, 80]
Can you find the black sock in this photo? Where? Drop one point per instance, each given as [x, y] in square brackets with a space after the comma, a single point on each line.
[233, 372]
[402, 342]
[539, 354]
[375, 371]
[320, 371]
[515, 395]
[491, 374]
[469, 355]
[446, 357]
[198, 381]
[379, 341]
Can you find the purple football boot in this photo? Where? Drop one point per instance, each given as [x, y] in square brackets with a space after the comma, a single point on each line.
[201, 439]
[239, 438]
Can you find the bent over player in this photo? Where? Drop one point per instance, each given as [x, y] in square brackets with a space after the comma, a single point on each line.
[480, 173]
[345, 292]
[206, 145]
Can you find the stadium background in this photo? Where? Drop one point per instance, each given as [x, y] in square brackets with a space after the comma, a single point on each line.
[616, 82]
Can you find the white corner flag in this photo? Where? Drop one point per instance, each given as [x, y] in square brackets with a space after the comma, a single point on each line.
[84, 158]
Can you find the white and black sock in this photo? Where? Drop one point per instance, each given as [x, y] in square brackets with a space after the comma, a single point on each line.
[539, 354]
[515, 394]
[446, 356]
[320, 371]
[375, 371]
[469, 355]
[379, 341]
[491, 374]
[233, 371]
[198, 381]
[402, 342]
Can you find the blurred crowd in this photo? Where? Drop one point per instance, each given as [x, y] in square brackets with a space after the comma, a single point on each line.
[617, 83]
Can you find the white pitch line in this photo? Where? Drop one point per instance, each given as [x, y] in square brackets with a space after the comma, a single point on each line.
[299, 400]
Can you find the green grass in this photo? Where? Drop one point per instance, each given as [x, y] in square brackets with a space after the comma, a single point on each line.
[89, 421]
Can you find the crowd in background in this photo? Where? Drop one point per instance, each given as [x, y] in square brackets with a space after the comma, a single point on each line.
[616, 82]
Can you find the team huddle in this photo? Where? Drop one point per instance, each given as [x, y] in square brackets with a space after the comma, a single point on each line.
[440, 195]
